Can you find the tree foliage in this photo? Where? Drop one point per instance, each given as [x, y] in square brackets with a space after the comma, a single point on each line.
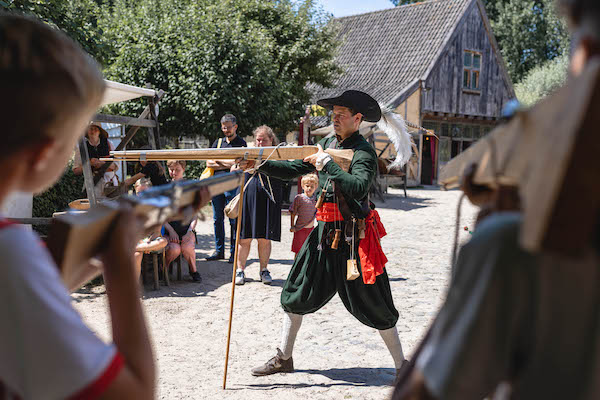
[57, 198]
[77, 18]
[529, 33]
[253, 58]
[542, 81]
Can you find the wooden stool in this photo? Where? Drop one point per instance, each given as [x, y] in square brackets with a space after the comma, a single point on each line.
[155, 247]
[179, 260]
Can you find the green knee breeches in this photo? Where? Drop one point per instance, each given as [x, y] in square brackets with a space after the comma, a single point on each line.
[317, 275]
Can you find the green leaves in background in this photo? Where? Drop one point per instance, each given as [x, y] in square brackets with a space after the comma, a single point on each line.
[252, 58]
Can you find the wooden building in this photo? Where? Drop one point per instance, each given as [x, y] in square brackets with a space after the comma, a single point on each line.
[437, 63]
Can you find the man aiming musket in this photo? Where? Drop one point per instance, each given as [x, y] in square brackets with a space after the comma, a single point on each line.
[343, 254]
[335, 257]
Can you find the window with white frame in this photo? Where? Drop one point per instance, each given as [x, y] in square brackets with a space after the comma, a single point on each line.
[472, 70]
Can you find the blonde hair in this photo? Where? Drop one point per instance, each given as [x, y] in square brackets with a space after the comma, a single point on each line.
[310, 178]
[173, 162]
[266, 129]
[47, 80]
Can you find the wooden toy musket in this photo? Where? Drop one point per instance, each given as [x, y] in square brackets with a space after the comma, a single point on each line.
[550, 153]
[76, 237]
[342, 157]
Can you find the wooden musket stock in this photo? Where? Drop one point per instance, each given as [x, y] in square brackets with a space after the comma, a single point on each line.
[76, 237]
[342, 157]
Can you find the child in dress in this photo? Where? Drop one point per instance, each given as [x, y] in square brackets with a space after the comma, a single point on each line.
[303, 211]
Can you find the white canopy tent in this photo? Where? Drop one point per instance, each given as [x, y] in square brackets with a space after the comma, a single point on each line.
[19, 206]
[117, 92]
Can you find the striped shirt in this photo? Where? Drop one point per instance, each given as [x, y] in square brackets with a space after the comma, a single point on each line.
[304, 207]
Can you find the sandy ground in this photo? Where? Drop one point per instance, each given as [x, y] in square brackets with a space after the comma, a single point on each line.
[335, 356]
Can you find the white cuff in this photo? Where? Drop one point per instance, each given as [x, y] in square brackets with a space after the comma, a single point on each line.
[322, 160]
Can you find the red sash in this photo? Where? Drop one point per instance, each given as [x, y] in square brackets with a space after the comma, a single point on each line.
[329, 212]
[372, 258]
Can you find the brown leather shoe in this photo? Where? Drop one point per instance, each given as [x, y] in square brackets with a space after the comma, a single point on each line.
[274, 366]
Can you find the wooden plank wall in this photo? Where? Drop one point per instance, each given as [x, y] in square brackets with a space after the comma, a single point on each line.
[411, 108]
[444, 89]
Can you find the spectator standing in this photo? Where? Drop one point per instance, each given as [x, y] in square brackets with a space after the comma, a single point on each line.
[231, 139]
[261, 217]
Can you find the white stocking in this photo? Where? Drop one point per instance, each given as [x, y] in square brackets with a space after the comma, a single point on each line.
[291, 326]
[392, 341]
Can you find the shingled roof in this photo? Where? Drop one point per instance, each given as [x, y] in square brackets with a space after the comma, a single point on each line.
[386, 52]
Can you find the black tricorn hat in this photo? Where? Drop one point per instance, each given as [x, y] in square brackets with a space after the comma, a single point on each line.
[357, 101]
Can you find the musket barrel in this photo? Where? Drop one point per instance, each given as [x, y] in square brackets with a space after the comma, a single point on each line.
[341, 157]
[252, 153]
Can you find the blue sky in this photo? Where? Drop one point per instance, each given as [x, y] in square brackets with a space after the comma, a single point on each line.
[341, 8]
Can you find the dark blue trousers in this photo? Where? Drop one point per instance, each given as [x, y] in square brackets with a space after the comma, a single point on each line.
[218, 203]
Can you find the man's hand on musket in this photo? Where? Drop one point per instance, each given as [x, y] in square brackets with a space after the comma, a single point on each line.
[313, 158]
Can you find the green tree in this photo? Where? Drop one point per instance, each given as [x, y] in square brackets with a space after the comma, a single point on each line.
[79, 19]
[529, 33]
[542, 81]
[253, 58]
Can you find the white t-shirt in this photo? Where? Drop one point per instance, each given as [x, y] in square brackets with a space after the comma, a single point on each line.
[46, 351]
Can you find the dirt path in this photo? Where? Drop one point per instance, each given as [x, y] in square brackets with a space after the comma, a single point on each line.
[336, 357]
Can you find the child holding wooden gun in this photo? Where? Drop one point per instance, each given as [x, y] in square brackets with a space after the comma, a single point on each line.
[51, 90]
[303, 211]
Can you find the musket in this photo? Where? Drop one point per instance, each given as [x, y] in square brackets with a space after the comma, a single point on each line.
[342, 157]
[549, 153]
[76, 237]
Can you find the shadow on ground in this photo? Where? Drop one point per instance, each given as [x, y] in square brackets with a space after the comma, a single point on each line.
[214, 275]
[339, 376]
[88, 292]
[396, 202]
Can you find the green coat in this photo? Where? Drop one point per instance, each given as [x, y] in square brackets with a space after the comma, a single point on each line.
[319, 272]
[354, 184]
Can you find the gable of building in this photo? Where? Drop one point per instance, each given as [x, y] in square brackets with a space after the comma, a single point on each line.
[386, 53]
[469, 78]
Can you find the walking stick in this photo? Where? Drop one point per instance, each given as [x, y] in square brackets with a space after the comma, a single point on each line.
[235, 260]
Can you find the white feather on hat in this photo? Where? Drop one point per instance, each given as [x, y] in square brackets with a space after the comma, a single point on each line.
[393, 125]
